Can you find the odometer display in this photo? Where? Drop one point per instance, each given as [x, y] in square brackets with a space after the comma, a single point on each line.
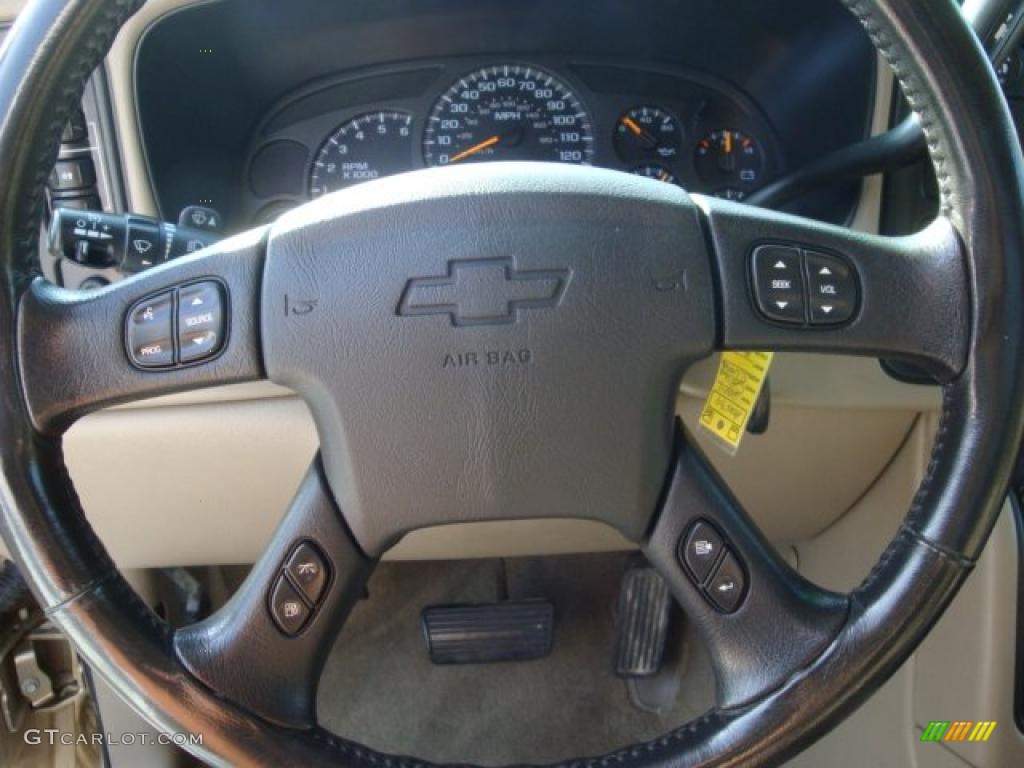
[508, 112]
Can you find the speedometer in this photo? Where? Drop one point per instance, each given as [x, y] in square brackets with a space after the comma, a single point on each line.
[508, 112]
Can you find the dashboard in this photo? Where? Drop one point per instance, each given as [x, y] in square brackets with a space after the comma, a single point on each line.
[288, 101]
[666, 124]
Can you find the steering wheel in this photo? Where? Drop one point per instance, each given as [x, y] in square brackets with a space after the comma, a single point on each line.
[506, 341]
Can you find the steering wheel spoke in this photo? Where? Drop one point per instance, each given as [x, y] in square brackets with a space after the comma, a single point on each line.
[187, 324]
[761, 620]
[265, 648]
[792, 284]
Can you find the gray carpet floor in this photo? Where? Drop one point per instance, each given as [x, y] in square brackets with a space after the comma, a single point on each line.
[380, 689]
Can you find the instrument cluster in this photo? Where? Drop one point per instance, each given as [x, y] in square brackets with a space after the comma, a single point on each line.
[674, 127]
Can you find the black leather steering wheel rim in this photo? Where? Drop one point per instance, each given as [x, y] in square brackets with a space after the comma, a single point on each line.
[943, 72]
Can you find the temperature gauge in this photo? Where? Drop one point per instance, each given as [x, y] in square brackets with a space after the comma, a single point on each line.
[729, 161]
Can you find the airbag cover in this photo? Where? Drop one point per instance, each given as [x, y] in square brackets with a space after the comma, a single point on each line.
[491, 342]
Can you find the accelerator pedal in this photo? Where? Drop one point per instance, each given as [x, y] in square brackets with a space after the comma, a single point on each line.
[641, 623]
[492, 632]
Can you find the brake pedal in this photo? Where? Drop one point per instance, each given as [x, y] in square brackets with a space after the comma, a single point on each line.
[481, 634]
[641, 623]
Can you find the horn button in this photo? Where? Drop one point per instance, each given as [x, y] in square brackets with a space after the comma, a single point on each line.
[493, 342]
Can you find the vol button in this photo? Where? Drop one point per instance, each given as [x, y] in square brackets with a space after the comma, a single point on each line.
[833, 289]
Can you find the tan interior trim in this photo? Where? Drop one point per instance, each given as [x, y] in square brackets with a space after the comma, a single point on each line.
[121, 74]
[9, 10]
[510, 538]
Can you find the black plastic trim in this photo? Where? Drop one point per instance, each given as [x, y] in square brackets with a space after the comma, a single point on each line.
[242, 653]
[782, 621]
[85, 331]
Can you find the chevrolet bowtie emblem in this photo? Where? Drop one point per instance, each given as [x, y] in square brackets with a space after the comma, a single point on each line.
[483, 292]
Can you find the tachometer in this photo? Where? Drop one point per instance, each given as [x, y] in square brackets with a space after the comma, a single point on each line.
[508, 112]
[365, 148]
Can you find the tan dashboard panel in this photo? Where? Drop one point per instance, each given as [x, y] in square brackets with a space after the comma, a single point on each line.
[207, 484]
[827, 381]
[508, 539]
[810, 467]
[9, 10]
[188, 486]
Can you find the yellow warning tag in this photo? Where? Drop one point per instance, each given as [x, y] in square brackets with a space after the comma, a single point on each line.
[733, 396]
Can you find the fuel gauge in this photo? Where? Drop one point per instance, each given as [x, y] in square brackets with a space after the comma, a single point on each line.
[729, 160]
[656, 172]
[646, 135]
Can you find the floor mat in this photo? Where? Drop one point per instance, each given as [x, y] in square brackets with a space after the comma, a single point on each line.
[380, 689]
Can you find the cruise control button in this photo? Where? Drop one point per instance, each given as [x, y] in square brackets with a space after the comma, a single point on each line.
[287, 607]
[778, 283]
[308, 571]
[700, 550]
[728, 585]
[201, 322]
[150, 331]
[832, 288]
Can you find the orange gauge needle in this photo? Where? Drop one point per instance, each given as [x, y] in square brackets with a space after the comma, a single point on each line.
[632, 125]
[474, 149]
[728, 142]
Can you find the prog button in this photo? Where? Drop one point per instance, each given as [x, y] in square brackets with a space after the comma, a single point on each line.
[150, 334]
